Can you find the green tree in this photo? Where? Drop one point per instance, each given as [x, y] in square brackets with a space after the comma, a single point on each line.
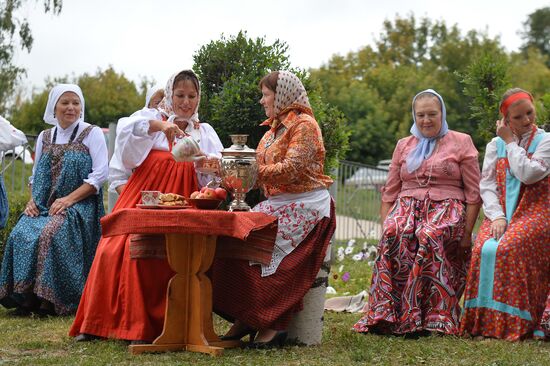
[536, 32]
[484, 82]
[13, 31]
[108, 96]
[230, 93]
[374, 86]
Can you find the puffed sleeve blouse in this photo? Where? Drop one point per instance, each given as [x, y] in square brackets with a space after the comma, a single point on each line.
[95, 142]
[527, 170]
[451, 172]
[133, 143]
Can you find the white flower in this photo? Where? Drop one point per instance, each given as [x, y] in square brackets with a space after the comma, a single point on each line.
[341, 250]
[372, 250]
[358, 256]
[341, 268]
[340, 257]
[331, 290]
[348, 250]
[351, 242]
[365, 245]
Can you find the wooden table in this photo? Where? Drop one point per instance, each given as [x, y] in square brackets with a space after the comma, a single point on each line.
[191, 241]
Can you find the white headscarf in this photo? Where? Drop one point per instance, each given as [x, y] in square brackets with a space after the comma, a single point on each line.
[165, 105]
[150, 93]
[289, 91]
[56, 93]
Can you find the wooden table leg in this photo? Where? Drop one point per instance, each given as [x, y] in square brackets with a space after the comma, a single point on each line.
[188, 321]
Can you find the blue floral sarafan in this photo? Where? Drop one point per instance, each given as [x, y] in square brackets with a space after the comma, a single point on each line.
[49, 257]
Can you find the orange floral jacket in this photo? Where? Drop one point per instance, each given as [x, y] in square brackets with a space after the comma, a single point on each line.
[291, 156]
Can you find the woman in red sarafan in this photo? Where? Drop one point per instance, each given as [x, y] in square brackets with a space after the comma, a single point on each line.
[290, 158]
[125, 294]
[429, 207]
[508, 289]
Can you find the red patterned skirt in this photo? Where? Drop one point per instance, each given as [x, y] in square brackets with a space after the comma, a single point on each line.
[508, 290]
[125, 297]
[239, 291]
[418, 275]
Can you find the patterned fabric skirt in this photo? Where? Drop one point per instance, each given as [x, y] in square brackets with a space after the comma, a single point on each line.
[508, 290]
[240, 292]
[418, 275]
[124, 297]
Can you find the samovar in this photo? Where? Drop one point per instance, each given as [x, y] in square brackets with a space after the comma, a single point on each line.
[239, 171]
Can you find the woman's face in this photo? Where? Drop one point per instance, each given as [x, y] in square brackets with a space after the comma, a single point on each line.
[155, 99]
[521, 117]
[67, 109]
[427, 112]
[185, 98]
[268, 101]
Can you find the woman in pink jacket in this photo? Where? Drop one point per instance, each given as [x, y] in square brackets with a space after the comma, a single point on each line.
[429, 206]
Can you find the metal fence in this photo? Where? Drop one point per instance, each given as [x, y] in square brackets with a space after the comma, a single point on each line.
[356, 190]
[357, 193]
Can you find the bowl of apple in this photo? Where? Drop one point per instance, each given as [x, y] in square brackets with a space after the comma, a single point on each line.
[207, 198]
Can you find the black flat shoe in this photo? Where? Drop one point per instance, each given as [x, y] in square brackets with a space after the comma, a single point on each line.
[85, 337]
[277, 341]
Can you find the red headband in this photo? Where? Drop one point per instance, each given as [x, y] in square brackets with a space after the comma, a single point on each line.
[511, 99]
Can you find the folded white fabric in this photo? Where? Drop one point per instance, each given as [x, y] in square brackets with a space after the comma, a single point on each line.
[350, 304]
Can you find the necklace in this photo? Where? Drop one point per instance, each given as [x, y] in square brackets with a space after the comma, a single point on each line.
[427, 181]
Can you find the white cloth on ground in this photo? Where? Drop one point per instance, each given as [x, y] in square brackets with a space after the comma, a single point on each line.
[349, 304]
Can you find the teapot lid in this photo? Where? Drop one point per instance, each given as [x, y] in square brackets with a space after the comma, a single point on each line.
[239, 147]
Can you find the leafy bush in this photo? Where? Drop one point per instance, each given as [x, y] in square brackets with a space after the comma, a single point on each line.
[17, 202]
[230, 70]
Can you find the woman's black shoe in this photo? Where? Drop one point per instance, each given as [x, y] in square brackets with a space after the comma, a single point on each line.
[85, 337]
[278, 341]
[250, 332]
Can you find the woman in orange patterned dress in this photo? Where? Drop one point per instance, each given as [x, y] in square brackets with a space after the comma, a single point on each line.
[508, 288]
[290, 160]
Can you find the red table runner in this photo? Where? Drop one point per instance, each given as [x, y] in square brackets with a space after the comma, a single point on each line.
[243, 235]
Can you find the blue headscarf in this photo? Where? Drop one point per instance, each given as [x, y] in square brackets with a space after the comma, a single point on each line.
[426, 145]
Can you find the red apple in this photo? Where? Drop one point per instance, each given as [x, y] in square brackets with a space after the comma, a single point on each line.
[194, 194]
[203, 189]
[199, 196]
[221, 193]
[209, 193]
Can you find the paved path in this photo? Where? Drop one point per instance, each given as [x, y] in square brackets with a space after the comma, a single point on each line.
[348, 228]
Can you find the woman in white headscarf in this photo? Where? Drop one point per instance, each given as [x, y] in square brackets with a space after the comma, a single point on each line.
[154, 96]
[50, 250]
[125, 295]
[290, 160]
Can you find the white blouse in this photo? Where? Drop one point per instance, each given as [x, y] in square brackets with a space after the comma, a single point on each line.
[527, 170]
[133, 144]
[95, 142]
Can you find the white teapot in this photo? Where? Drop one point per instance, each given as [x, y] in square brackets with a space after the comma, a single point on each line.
[187, 149]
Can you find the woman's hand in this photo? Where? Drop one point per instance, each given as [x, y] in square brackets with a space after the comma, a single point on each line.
[498, 227]
[504, 131]
[31, 209]
[59, 205]
[171, 130]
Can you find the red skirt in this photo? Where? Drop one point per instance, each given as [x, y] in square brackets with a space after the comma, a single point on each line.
[125, 297]
[239, 291]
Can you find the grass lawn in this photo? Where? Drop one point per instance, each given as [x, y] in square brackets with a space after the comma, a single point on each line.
[44, 341]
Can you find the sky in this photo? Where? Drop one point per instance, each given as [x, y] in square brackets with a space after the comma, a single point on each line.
[155, 38]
